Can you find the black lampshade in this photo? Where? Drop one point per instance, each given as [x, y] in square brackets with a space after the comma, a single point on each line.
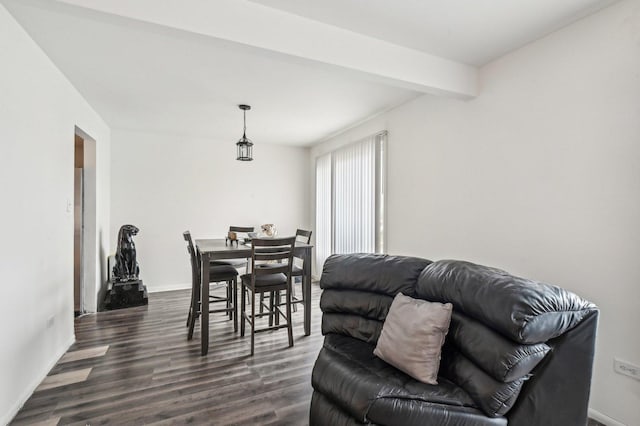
[244, 145]
[245, 149]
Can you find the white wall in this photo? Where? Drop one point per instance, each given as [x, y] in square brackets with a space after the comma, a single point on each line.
[539, 175]
[166, 184]
[39, 110]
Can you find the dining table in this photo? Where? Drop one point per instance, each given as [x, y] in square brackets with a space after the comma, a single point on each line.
[219, 249]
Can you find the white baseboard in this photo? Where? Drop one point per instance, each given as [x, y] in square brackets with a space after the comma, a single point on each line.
[7, 417]
[606, 420]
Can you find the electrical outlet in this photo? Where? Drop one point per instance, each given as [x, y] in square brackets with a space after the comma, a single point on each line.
[626, 368]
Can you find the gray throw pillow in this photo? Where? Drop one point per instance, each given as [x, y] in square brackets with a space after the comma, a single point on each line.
[412, 336]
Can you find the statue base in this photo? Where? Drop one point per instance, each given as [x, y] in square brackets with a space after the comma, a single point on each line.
[125, 294]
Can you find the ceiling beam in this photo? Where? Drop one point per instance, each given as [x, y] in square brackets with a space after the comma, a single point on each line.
[258, 26]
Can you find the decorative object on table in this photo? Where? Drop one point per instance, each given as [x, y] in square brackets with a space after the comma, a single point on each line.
[244, 145]
[231, 238]
[269, 230]
[125, 288]
[250, 236]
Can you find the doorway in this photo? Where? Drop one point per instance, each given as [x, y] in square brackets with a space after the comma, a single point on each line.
[84, 221]
[78, 226]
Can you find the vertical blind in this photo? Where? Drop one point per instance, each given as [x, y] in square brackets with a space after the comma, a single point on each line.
[349, 199]
[354, 206]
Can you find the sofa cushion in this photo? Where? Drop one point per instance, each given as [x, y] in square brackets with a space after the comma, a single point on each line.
[351, 377]
[413, 412]
[412, 336]
[495, 398]
[355, 302]
[524, 310]
[324, 412]
[361, 328]
[377, 273]
[397, 411]
[501, 358]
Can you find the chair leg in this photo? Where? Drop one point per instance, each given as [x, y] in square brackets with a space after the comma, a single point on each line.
[289, 326]
[270, 307]
[191, 307]
[247, 271]
[234, 301]
[277, 303]
[194, 315]
[190, 310]
[243, 300]
[293, 293]
[192, 323]
[229, 299]
[253, 318]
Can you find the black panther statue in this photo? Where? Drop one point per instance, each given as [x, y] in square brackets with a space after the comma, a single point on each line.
[126, 267]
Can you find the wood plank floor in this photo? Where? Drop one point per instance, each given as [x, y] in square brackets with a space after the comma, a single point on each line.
[150, 374]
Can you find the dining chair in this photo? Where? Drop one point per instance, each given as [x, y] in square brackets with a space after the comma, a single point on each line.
[246, 230]
[237, 263]
[217, 273]
[240, 263]
[302, 236]
[270, 278]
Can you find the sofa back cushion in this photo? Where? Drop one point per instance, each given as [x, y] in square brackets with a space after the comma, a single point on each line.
[501, 358]
[376, 273]
[354, 313]
[490, 367]
[353, 302]
[524, 310]
[494, 397]
[361, 328]
[359, 290]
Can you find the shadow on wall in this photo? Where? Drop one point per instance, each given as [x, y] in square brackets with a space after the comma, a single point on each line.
[103, 273]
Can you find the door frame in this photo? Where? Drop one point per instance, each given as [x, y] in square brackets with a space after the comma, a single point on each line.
[90, 261]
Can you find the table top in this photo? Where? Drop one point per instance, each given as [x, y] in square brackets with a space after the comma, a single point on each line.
[228, 250]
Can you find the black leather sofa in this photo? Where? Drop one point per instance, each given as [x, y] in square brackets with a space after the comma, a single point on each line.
[518, 352]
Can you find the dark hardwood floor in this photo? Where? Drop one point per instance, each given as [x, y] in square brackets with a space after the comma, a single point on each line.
[135, 366]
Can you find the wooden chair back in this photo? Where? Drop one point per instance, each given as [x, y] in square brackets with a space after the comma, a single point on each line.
[195, 260]
[303, 236]
[244, 229]
[278, 250]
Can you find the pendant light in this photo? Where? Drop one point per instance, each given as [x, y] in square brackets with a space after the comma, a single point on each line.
[244, 145]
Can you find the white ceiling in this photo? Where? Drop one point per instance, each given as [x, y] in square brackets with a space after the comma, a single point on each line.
[163, 78]
[469, 31]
